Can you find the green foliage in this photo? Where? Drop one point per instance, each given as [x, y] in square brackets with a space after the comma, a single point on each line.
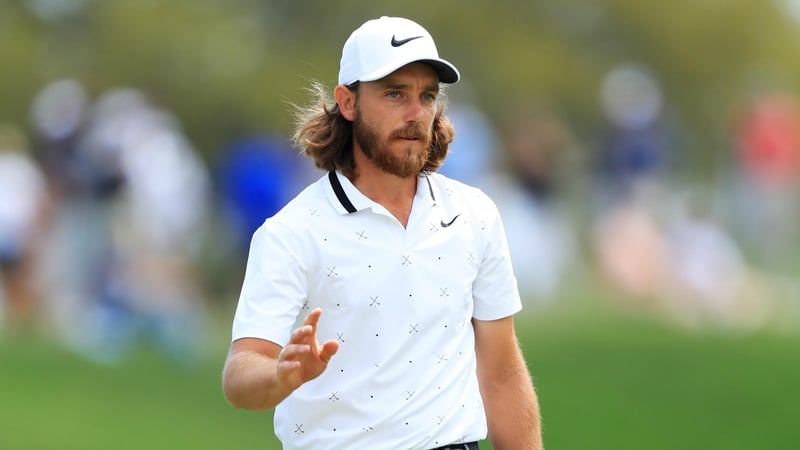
[227, 66]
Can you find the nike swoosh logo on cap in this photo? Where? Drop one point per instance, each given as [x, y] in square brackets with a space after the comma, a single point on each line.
[396, 43]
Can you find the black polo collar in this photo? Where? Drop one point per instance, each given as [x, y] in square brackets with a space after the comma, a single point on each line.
[341, 195]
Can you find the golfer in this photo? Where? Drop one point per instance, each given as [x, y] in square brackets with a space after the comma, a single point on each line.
[377, 306]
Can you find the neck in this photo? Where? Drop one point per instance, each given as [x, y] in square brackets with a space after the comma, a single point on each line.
[394, 193]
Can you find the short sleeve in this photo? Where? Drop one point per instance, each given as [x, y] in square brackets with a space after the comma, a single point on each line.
[495, 291]
[274, 286]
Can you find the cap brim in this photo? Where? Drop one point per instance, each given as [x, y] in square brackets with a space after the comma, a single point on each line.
[447, 72]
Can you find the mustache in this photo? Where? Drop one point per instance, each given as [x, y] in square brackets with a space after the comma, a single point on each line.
[411, 131]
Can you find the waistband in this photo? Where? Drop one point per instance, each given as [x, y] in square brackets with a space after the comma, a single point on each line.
[462, 446]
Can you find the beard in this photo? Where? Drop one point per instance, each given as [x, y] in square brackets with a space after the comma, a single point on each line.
[379, 152]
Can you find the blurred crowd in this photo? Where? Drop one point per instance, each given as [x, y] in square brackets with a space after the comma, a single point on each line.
[720, 250]
[105, 202]
[617, 208]
[113, 227]
[108, 215]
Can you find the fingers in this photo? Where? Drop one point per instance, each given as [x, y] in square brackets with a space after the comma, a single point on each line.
[288, 365]
[289, 357]
[301, 335]
[327, 350]
[313, 317]
[293, 351]
[308, 330]
[303, 341]
[303, 358]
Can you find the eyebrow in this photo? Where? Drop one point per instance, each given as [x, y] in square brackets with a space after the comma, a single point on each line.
[397, 85]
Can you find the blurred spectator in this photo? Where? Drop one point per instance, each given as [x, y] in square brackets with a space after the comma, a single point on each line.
[58, 114]
[709, 278]
[77, 252]
[22, 203]
[638, 146]
[127, 230]
[675, 257]
[157, 226]
[257, 175]
[766, 138]
[630, 248]
[629, 242]
[543, 236]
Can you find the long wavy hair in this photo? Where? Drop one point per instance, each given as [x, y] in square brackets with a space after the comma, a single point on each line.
[325, 136]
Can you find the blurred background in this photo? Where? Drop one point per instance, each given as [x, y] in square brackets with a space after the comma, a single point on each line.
[645, 157]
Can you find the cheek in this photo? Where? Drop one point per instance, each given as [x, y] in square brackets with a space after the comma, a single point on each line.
[429, 120]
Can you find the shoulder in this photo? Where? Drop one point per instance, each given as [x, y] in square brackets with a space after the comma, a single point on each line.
[310, 202]
[447, 189]
[304, 215]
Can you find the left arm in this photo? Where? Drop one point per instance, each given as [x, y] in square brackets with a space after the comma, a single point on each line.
[512, 409]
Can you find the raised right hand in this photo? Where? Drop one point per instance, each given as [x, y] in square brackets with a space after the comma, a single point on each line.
[303, 358]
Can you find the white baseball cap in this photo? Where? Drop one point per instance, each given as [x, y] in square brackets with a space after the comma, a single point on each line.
[381, 46]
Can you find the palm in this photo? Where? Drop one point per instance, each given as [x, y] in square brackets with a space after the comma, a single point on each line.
[310, 367]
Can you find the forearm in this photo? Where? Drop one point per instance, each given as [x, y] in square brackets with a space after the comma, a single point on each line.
[250, 381]
[512, 411]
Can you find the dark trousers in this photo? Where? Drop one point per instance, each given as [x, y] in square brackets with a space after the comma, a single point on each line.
[464, 446]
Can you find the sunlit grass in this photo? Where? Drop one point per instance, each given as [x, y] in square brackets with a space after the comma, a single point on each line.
[607, 378]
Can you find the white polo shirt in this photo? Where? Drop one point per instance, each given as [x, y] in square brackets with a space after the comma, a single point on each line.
[400, 302]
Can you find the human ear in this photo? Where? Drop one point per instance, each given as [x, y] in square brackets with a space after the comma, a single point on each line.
[346, 99]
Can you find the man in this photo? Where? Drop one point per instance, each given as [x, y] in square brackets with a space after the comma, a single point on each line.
[411, 269]
[23, 203]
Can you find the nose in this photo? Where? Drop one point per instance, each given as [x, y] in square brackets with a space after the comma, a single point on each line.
[415, 111]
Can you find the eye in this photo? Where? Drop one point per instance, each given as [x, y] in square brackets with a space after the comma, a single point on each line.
[429, 97]
[393, 94]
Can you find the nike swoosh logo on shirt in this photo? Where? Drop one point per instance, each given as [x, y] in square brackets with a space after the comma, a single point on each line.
[445, 225]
